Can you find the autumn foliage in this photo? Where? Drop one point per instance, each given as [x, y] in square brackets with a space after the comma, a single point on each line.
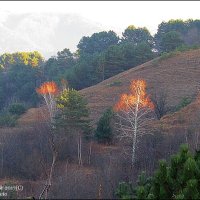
[136, 108]
[137, 96]
[48, 88]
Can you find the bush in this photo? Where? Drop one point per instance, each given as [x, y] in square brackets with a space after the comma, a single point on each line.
[184, 102]
[8, 120]
[103, 132]
[17, 109]
[170, 54]
[115, 83]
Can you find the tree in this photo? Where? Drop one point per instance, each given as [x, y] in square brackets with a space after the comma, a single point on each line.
[132, 111]
[177, 25]
[103, 132]
[58, 67]
[159, 100]
[137, 35]
[73, 115]
[33, 59]
[118, 58]
[98, 42]
[65, 59]
[177, 180]
[20, 82]
[19, 77]
[85, 72]
[6, 60]
[49, 90]
[189, 31]
[170, 41]
[143, 53]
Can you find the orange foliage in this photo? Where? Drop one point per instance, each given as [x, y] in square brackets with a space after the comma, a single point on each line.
[137, 96]
[48, 88]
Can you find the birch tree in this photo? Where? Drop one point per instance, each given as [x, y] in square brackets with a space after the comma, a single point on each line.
[133, 111]
[49, 91]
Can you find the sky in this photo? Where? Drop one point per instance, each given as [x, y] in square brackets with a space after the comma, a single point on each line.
[91, 16]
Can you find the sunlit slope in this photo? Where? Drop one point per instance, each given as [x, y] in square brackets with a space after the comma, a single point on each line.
[178, 76]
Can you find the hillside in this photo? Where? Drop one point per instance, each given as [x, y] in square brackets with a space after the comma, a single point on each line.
[177, 76]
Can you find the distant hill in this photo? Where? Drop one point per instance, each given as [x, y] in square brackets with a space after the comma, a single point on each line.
[178, 76]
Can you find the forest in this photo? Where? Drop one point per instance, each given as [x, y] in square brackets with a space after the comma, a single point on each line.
[138, 145]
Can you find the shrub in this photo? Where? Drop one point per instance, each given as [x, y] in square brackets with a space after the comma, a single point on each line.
[184, 102]
[8, 120]
[115, 83]
[17, 109]
[103, 132]
[168, 55]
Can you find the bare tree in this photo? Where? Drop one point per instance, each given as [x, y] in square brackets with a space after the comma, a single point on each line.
[133, 111]
[159, 100]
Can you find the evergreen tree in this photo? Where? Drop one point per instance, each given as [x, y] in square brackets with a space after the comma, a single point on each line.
[137, 35]
[73, 111]
[103, 132]
[170, 41]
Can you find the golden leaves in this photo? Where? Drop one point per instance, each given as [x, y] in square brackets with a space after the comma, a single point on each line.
[137, 96]
[48, 88]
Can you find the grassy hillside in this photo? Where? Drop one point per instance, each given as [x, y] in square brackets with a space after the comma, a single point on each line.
[177, 76]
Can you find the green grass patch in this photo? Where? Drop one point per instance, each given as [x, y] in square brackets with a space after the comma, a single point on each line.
[115, 83]
[168, 55]
[183, 103]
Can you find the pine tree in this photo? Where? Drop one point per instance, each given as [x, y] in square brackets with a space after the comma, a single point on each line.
[73, 111]
[73, 117]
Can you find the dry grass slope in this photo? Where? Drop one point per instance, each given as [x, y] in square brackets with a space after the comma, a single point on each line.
[178, 76]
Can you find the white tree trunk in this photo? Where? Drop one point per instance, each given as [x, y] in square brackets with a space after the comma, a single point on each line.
[48, 184]
[135, 131]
